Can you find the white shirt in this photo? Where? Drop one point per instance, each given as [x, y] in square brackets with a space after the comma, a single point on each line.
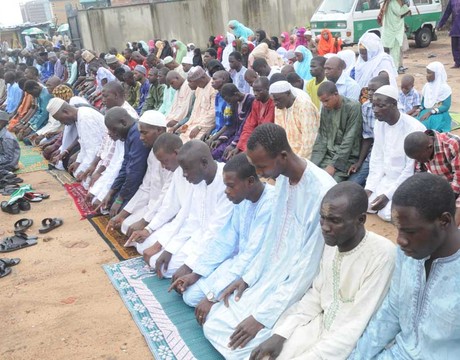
[348, 87]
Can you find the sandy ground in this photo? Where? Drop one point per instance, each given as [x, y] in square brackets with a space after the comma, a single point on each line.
[59, 304]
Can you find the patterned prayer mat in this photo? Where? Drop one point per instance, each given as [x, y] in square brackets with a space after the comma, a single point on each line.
[31, 159]
[167, 324]
[78, 193]
[62, 176]
[114, 239]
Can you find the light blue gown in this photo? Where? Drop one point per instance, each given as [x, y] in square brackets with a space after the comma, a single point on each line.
[233, 248]
[421, 315]
[284, 269]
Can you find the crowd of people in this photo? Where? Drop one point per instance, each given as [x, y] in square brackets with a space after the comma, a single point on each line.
[172, 143]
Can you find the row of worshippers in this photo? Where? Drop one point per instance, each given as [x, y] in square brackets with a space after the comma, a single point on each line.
[256, 269]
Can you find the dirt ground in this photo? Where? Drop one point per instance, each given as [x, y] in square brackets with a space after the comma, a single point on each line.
[59, 304]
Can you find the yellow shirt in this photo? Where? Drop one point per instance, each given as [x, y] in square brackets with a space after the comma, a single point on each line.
[312, 90]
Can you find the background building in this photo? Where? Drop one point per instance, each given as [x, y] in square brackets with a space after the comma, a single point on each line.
[86, 4]
[36, 11]
[59, 9]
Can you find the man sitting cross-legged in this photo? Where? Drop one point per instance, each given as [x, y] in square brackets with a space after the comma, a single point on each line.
[420, 316]
[235, 245]
[189, 215]
[354, 278]
[142, 207]
[284, 268]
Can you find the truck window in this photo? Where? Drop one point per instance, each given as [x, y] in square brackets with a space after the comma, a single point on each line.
[334, 6]
[422, 2]
[365, 5]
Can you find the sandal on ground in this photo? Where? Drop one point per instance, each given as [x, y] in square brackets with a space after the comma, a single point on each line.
[10, 262]
[4, 270]
[49, 224]
[22, 225]
[24, 205]
[35, 196]
[10, 209]
[9, 189]
[16, 242]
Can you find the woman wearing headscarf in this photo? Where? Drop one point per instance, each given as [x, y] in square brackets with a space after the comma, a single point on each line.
[239, 30]
[104, 76]
[167, 50]
[436, 99]
[302, 65]
[143, 47]
[328, 44]
[349, 57]
[159, 46]
[372, 60]
[197, 58]
[219, 46]
[246, 49]
[262, 51]
[285, 40]
[228, 50]
[300, 34]
[292, 42]
[181, 51]
[260, 36]
[275, 43]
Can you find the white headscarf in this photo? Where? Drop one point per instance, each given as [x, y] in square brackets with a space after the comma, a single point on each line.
[228, 50]
[436, 91]
[103, 73]
[377, 61]
[349, 57]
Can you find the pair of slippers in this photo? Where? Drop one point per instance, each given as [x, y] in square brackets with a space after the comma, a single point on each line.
[21, 240]
[16, 207]
[48, 224]
[6, 264]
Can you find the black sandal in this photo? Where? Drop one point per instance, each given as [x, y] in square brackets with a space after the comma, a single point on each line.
[16, 242]
[10, 209]
[49, 224]
[22, 225]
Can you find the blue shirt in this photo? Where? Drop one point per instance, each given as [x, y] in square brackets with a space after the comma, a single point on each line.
[133, 167]
[47, 71]
[410, 100]
[13, 97]
[347, 87]
[420, 316]
[144, 90]
[223, 113]
[40, 118]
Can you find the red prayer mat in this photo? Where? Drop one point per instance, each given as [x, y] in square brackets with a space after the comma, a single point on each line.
[78, 193]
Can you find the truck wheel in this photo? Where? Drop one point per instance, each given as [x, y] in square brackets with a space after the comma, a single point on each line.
[423, 37]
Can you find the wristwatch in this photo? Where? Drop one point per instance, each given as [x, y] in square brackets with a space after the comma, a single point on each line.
[210, 296]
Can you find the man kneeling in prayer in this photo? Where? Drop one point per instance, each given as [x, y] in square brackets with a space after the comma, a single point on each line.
[354, 278]
[189, 215]
[420, 316]
[236, 244]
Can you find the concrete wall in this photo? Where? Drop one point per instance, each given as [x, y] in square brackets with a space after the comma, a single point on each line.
[188, 20]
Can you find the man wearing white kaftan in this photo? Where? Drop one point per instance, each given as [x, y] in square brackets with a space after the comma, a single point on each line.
[111, 154]
[283, 269]
[330, 318]
[208, 211]
[232, 249]
[389, 166]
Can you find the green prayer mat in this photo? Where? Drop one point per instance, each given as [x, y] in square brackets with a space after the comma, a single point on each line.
[31, 159]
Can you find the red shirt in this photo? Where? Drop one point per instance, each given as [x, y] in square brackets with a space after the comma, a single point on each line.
[261, 113]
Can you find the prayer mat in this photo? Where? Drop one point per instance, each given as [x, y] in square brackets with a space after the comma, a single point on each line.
[31, 159]
[455, 121]
[78, 193]
[62, 176]
[166, 322]
[114, 239]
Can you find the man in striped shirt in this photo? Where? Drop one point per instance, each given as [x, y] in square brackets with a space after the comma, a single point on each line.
[437, 153]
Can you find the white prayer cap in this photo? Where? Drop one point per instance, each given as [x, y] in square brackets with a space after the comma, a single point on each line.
[153, 117]
[54, 105]
[110, 59]
[308, 32]
[388, 90]
[187, 60]
[167, 60]
[280, 87]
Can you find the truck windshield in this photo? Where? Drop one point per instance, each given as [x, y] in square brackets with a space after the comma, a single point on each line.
[336, 6]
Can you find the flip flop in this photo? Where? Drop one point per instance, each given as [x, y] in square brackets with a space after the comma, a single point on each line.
[9, 189]
[49, 224]
[42, 196]
[16, 242]
[10, 209]
[10, 262]
[4, 270]
[22, 225]
[24, 205]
